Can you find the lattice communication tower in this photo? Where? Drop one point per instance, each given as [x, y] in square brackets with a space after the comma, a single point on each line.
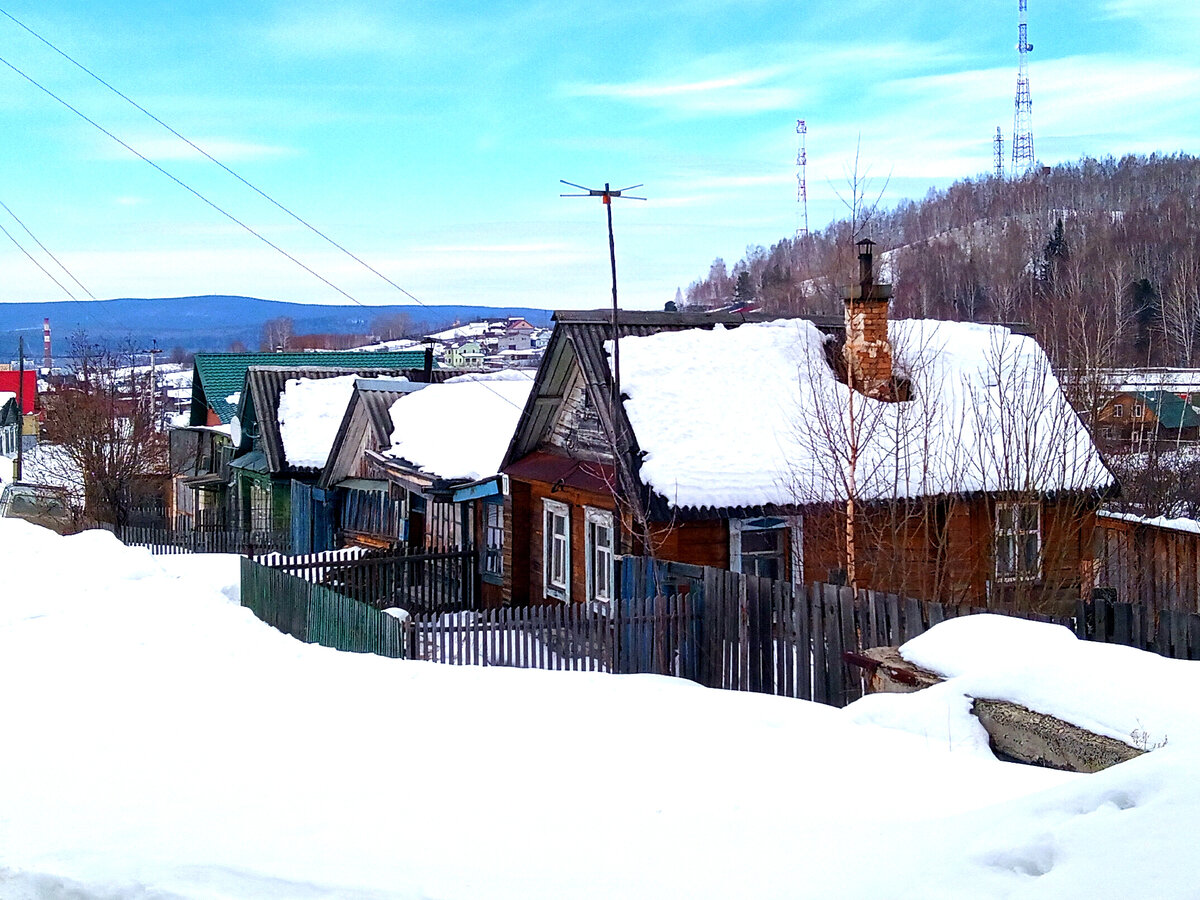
[801, 180]
[1022, 133]
[998, 154]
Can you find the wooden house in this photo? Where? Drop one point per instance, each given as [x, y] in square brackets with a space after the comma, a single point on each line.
[372, 511]
[1133, 421]
[934, 459]
[287, 420]
[201, 451]
[442, 465]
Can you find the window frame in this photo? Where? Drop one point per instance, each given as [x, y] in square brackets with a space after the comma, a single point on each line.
[551, 510]
[1139, 410]
[593, 518]
[789, 535]
[491, 560]
[1118, 410]
[1018, 572]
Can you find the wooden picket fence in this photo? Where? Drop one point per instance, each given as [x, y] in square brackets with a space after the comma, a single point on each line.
[416, 580]
[739, 632]
[721, 629]
[206, 540]
[315, 614]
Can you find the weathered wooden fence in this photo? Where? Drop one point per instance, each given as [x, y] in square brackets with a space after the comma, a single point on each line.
[414, 580]
[1169, 632]
[206, 540]
[739, 632]
[316, 614]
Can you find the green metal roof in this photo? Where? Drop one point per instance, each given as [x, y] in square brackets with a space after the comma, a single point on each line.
[218, 376]
[254, 461]
[1171, 410]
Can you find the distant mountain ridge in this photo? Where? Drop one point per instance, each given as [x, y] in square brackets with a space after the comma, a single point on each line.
[212, 322]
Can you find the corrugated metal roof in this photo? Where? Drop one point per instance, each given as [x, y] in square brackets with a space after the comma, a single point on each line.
[217, 376]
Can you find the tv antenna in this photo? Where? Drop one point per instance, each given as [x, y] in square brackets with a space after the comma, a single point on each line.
[607, 195]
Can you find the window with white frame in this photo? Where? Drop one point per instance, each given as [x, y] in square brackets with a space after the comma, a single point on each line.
[493, 539]
[1018, 541]
[599, 545]
[1138, 410]
[1118, 410]
[260, 506]
[757, 546]
[556, 550]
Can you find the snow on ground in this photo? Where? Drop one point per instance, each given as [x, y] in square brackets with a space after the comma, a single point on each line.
[768, 423]
[1140, 698]
[462, 427]
[160, 742]
[310, 411]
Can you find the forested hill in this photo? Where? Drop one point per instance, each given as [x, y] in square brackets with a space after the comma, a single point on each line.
[1102, 257]
[215, 322]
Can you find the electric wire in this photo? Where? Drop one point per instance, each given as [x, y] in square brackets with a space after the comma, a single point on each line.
[46, 271]
[191, 190]
[200, 196]
[47, 252]
[212, 159]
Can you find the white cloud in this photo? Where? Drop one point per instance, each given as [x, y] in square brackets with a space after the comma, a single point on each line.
[739, 93]
[226, 150]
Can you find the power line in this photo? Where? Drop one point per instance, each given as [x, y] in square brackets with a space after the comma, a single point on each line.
[212, 159]
[46, 271]
[196, 193]
[181, 183]
[48, 253]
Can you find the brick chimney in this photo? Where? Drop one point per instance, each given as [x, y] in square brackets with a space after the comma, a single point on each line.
[868, 353]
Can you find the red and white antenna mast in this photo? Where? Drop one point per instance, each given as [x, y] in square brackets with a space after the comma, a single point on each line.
[1022, 133]
[802, 180]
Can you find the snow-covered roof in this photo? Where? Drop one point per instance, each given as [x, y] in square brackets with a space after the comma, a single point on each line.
[1189, 525]
[754, 415]
[310, 411]
[5, 396]
[462, 427]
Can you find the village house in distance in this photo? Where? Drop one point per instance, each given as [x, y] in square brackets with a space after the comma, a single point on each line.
[940, 460]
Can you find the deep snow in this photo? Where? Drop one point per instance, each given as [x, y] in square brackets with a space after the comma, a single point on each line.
[160, 742]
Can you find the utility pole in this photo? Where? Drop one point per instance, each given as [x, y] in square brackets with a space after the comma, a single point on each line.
[20, 406]
[153, 351]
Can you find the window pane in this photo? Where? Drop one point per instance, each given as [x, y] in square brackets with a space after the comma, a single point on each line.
[1029, 518]
[760, 541]
[1004, 560]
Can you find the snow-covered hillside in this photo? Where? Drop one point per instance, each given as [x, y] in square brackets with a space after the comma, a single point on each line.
[160, 742]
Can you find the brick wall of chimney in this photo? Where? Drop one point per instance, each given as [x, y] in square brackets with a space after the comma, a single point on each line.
[868, 352]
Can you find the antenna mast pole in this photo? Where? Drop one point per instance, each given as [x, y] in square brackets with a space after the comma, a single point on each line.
[998, 154]
[802, 178]
[1022, 134]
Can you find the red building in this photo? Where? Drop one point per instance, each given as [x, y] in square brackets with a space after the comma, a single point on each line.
[11, 380]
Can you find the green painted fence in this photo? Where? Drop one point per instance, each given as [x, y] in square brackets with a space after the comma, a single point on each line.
[317, 615]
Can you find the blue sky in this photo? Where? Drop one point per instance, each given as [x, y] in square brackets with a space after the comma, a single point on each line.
[429, 137]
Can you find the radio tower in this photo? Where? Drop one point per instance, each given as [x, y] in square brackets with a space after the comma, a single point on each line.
[1022, 133]
[998, 154]
[801, 182]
